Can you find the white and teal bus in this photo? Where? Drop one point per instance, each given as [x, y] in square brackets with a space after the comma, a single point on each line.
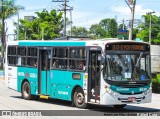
[102, 72]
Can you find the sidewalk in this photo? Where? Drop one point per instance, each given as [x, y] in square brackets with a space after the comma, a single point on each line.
[1, 78]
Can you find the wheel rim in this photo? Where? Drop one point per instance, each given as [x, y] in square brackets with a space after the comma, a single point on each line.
[26, 90]
[80, 99]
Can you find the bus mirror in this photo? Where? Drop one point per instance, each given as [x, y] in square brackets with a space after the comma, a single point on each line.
[103, 60]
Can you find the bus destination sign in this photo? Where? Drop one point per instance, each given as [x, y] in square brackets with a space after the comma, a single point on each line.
[126, 47]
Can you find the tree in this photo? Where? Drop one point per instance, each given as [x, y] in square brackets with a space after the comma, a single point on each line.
[122, 26]
[105, 24]
[78, 31]
[46, 25]
[9, 9]
[143, 33]
[110, 26]
[96, 31]
[113, 28]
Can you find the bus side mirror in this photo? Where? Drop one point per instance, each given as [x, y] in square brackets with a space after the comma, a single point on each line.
[103, 60]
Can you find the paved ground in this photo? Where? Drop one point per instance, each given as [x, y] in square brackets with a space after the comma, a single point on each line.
[11, 100]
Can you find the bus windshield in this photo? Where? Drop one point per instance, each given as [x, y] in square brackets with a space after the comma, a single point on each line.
[121, 67]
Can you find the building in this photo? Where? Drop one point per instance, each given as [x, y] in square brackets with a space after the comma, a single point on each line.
[29, 18]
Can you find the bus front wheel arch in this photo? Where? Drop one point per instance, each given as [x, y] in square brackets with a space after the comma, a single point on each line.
[79, 98]
[26, 91]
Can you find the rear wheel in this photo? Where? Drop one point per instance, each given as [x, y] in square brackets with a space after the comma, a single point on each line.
[119, 106]
[26, 91]
[79, 98]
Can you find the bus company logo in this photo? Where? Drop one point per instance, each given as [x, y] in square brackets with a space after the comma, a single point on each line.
[33, 75]
[27, 74]
[122, 89]
[21, 74]
[62, 93]
[132, 82]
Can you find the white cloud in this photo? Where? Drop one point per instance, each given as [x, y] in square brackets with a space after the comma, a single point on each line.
[86, 19]
[125, 10]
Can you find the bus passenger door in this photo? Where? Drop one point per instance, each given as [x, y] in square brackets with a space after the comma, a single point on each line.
[94, 76]
[44, 71]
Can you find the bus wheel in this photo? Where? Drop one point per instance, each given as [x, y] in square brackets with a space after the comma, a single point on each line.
[119, 106]
[26, 91]
[79, 98]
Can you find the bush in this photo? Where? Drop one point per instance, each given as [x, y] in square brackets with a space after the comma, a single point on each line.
[156, 85]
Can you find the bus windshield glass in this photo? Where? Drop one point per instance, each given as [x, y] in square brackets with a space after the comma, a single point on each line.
[121, 67]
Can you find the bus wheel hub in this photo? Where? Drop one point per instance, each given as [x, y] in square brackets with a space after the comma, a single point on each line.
[80, 98]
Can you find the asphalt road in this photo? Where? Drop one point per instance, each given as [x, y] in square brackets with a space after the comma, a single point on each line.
[11, 100]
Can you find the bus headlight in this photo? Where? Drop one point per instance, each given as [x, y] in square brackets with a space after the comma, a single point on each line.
[145, 92]
[107, 89]
[148, 91]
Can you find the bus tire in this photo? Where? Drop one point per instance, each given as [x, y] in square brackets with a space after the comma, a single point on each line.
[26, 91]
[119, 106]
[79, 99]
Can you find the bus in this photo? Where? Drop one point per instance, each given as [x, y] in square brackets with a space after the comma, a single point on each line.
[101, 72]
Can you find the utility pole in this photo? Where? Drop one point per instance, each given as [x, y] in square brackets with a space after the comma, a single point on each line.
[123, 28]
[64, 9]
[150, 26]
[131, 4]
[123, 23]
[64, 32]
[71, 8]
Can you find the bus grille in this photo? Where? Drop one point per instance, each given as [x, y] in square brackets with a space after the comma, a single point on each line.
[131, 93]
[125, 100]
[127, 85]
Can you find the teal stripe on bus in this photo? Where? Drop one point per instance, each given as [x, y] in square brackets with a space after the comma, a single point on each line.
[129, 90]
[52, 43]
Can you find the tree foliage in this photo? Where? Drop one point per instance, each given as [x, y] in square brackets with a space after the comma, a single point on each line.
[47, 23]
[78, 31]
[96, 31]
[110, 26]
[143, 33]
[9, 9]
[105, 28]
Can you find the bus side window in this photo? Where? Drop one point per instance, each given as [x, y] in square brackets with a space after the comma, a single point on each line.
[55, 64]
[77, 59]
[59, 60]
[21, 56]
[12, 58]
[31, 56]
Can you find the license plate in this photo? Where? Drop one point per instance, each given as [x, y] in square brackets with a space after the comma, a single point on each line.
[132, 99]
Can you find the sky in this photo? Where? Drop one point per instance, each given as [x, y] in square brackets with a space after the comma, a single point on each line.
[88, 12]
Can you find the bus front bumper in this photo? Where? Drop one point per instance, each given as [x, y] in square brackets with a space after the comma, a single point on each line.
[115, 98]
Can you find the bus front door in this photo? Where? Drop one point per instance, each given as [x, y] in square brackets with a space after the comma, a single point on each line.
[44, 71]
[94, 76]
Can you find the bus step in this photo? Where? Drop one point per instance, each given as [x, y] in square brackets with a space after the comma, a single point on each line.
[44, 96]
[93, 101]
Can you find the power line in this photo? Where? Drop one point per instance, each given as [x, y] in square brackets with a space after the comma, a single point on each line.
[65, 10]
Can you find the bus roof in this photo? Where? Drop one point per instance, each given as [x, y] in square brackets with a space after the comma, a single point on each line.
[98, 42]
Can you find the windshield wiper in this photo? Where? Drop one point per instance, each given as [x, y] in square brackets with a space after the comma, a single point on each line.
[140, 56]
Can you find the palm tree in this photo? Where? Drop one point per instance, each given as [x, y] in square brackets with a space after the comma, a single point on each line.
[9, 9]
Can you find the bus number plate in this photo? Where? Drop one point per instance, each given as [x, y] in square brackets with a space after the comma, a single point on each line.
[131, 99]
